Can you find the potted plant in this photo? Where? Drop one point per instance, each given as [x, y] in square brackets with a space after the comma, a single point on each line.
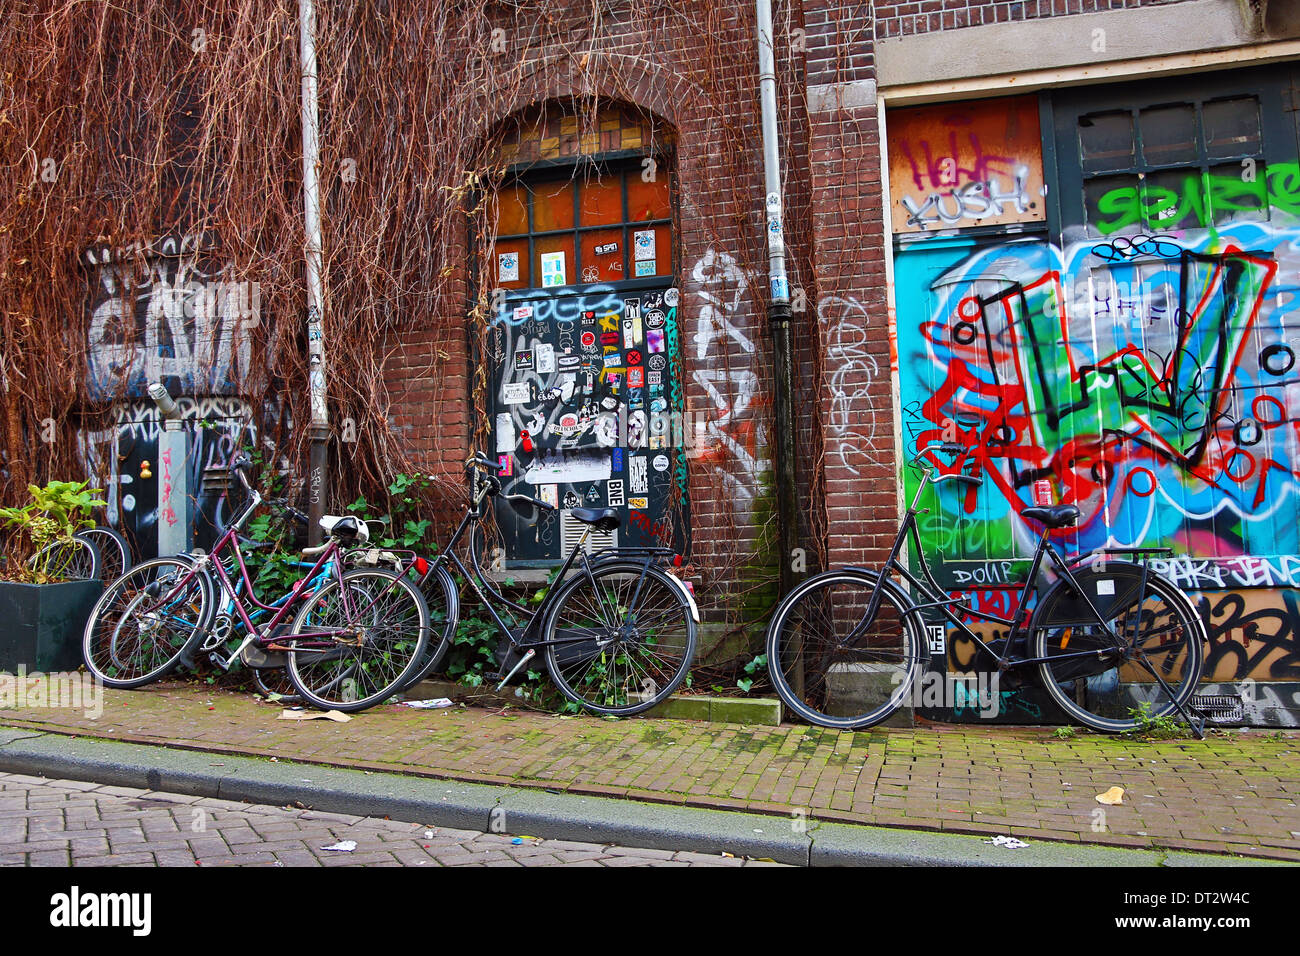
[49, 580]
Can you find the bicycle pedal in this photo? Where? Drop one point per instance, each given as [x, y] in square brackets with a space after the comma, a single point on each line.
[220, 661]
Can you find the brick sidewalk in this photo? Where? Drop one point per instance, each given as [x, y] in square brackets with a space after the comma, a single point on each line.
[1233, 793]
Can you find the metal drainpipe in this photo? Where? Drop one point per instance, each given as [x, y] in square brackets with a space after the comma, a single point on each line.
[778, 312]
[319, 428]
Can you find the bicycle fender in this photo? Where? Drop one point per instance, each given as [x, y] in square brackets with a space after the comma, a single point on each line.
[686, 593]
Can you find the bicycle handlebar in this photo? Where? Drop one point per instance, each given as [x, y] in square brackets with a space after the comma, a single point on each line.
[532, 501]
[481, 461]
[948, 448]
[239, 466]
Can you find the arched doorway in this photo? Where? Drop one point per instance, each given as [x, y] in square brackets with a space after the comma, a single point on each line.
[583, 358]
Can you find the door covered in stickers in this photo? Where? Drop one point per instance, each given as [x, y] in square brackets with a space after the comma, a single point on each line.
[584, 362]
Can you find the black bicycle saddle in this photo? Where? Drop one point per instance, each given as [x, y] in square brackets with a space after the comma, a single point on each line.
[605, 519]
[1056, 516]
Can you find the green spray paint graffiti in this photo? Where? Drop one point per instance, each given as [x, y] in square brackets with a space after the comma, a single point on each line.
[1201, 200]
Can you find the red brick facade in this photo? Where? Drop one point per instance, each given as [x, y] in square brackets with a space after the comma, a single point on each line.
[927, 16]
[836, 232]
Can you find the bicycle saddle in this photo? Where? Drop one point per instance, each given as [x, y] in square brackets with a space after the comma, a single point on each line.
[345, 526]
[1056, 516]
[605, 519]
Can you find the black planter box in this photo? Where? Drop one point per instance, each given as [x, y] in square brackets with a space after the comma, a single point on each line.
[41, 625]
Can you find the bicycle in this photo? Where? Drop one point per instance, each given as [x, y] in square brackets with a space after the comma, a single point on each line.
[89, 554]
[74, 558]
[352, 642]
[115, 552]
[269, 672]
[845, 647]
[618, 636]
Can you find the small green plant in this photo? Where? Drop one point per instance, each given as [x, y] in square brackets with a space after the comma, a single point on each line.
[1152, 726]
[752, 669]
[55, 514]
[473, 653]
[1066, 733]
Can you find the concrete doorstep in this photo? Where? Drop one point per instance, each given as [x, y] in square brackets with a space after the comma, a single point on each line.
[796, 839]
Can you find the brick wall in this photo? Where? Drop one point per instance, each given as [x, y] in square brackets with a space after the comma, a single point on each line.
[927, 16]
[722, 258]
[849, 262]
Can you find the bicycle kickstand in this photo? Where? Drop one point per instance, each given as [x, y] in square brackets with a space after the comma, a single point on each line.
[528, 656]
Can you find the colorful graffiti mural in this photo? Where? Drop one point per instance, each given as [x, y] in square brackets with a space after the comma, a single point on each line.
[1151, 382]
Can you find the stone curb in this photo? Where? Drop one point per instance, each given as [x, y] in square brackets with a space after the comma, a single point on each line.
[541, 813]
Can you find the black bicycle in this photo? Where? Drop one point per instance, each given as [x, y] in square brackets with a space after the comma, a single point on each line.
[618, 634]
[1114, 643]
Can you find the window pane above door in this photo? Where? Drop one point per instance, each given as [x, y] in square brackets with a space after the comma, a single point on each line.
[601, 201]
[552, 206]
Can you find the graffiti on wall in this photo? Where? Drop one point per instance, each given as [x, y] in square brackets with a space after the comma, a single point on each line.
[116, 457]
[1156, 391]
[1151, 381]
[184, 322]
[853, 374]
[961, 165]
[730, 442]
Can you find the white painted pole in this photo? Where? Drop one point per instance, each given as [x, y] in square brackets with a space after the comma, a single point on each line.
[316, 368]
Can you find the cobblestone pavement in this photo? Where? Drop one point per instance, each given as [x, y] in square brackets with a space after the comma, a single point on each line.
[70, 823]
[1233, 793]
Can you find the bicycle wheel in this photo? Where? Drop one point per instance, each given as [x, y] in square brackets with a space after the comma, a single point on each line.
[385, 625]
[443, 600]
[834, 666]
[114, 552]
[625, 643]
[146, 622]
[1104, 683]
[67, 559]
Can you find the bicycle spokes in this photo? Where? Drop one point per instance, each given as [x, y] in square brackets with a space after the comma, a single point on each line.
[622, 643]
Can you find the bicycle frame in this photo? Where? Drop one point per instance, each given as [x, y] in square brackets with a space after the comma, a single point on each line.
[935, 596]
[328, 560]
[527, 637]
[232, 603]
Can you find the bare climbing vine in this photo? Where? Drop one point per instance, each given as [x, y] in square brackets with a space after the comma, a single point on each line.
[124, 122]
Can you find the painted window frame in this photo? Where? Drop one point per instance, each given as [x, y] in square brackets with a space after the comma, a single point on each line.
[621, 163]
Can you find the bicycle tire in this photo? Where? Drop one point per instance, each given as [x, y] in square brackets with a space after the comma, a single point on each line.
[833, 667]
[1092, 689]
[128, 643]
[69, 559]
[394, 626]
[586, 667]
[443, 600]
[114, 551]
